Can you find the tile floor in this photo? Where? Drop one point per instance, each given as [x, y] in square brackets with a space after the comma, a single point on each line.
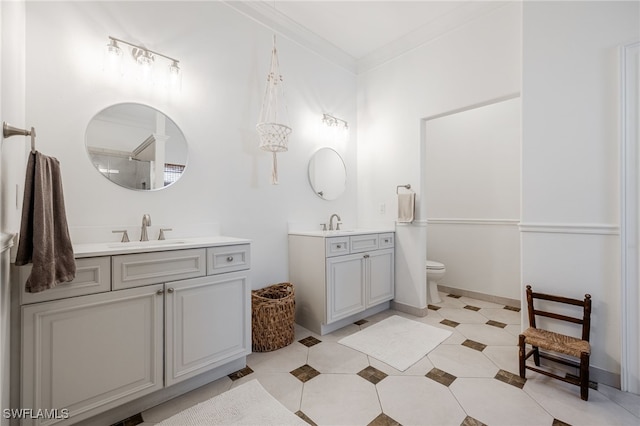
[470, 379]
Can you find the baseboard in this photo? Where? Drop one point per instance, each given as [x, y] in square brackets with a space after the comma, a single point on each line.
[480, 296]
[407, 309]
[597, 375]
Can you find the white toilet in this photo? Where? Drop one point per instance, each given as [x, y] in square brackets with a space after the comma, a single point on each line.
[435, 271]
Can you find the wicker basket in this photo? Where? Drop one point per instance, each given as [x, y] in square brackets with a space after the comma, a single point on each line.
[272, 319]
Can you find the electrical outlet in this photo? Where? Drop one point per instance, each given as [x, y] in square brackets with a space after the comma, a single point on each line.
[383, 208]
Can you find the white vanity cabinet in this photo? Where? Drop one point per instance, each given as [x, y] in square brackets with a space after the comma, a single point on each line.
[164, 318]
[340, 278]
[90, 352]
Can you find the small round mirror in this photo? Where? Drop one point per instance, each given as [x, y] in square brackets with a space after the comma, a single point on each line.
[327, 174]
[136, 146]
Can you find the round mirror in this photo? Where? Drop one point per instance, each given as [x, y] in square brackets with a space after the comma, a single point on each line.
[327, 174]
[136, 146]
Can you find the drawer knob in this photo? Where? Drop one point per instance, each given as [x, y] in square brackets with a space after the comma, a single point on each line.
[338, 246]
[230, 259]
[386, 240]
[160, 292]
[170, 290]
[366, 256]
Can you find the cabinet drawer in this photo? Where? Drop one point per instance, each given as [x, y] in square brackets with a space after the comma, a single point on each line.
[228, 259]
[360, 243]
[93, 275]
[386, 240]
[135, 270]
[337, 246]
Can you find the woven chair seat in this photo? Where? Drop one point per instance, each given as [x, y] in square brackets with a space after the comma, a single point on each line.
[556, 342]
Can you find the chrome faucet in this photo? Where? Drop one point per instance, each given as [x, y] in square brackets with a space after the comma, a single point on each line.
[331, 222]
[146, 221]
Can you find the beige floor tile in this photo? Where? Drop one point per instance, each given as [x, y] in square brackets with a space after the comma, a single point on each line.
[340, 333]
[279, 361]
[629, 401]
[462, 361]
[496, 403]
[480, 303]
[504, 357]
[419, 401]
[562, 400]
[332, 357]
[463, 316]
[491, 336]
[501, 315]
[450, 302]
[513, 329]
[420, 368]
[340, 399]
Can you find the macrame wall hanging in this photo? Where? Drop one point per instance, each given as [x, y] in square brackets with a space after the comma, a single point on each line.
[272, 126]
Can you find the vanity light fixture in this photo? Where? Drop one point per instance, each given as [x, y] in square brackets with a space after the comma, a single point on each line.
[145, 60]
[331, 121]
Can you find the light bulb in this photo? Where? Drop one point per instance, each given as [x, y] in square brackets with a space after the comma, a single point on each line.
[175, 76]
[112, 59]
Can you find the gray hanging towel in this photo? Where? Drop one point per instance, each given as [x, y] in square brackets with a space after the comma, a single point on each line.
[44, 235]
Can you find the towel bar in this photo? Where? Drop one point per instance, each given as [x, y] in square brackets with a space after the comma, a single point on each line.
[8, 131]
[408, 186]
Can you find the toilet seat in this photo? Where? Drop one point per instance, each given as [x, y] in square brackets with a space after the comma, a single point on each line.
[434, 266]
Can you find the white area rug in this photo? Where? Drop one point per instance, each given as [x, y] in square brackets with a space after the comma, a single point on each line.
[397, 341]
[247, 404]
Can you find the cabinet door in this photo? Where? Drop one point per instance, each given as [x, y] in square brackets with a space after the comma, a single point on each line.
[345, 286]
[91, 353]
[380, 276]
[208, 323]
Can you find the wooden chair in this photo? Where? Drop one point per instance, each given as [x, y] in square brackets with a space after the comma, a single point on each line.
[559, 343]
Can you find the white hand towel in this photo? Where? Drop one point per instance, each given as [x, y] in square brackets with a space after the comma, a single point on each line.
[406, 207]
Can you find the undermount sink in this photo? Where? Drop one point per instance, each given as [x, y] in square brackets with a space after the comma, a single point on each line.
[142, 244]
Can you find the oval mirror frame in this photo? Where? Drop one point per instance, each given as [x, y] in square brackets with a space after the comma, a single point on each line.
[327, 174]
[136, 146]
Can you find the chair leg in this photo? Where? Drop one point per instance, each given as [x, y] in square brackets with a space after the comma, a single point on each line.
[584, 376]
[536, 356]
[521, 355]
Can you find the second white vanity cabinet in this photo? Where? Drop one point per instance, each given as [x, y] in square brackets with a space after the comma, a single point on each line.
[340, 278]
[164, 318]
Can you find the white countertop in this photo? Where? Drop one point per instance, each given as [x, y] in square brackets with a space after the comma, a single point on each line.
[111, 248]
[340, 233]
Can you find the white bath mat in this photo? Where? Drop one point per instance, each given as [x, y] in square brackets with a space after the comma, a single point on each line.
[397, 341]
[247, 404]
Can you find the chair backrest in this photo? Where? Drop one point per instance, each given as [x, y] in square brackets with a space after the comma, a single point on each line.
[585, 321]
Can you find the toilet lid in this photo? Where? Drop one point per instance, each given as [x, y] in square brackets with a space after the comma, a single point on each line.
[434, 265]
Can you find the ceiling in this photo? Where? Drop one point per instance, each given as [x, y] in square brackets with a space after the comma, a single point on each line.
[361, 34]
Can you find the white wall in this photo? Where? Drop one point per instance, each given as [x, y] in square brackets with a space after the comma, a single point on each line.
[570, 180]
[225, 59]
[472, 191]
[473, 64]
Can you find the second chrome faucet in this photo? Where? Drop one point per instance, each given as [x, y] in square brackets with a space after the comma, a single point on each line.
[146, 222]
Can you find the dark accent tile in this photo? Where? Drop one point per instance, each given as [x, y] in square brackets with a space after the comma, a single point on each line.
[372, 374]
[512, 308]
[449, 323]
[306, 418]
[309, 341]
[496, 323]
[240, 373]
[433, 307]
[305, 373]
[470, 421]
[592, 385]
[455, 296]
[474, 345]
[383, 420]
[441, 377]
[130, 421]
[472, 308]
[557, 422]
[510, 379]
[360, 322]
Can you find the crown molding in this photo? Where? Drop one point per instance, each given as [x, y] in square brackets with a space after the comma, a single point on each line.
[271, 18]
[429, 31]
